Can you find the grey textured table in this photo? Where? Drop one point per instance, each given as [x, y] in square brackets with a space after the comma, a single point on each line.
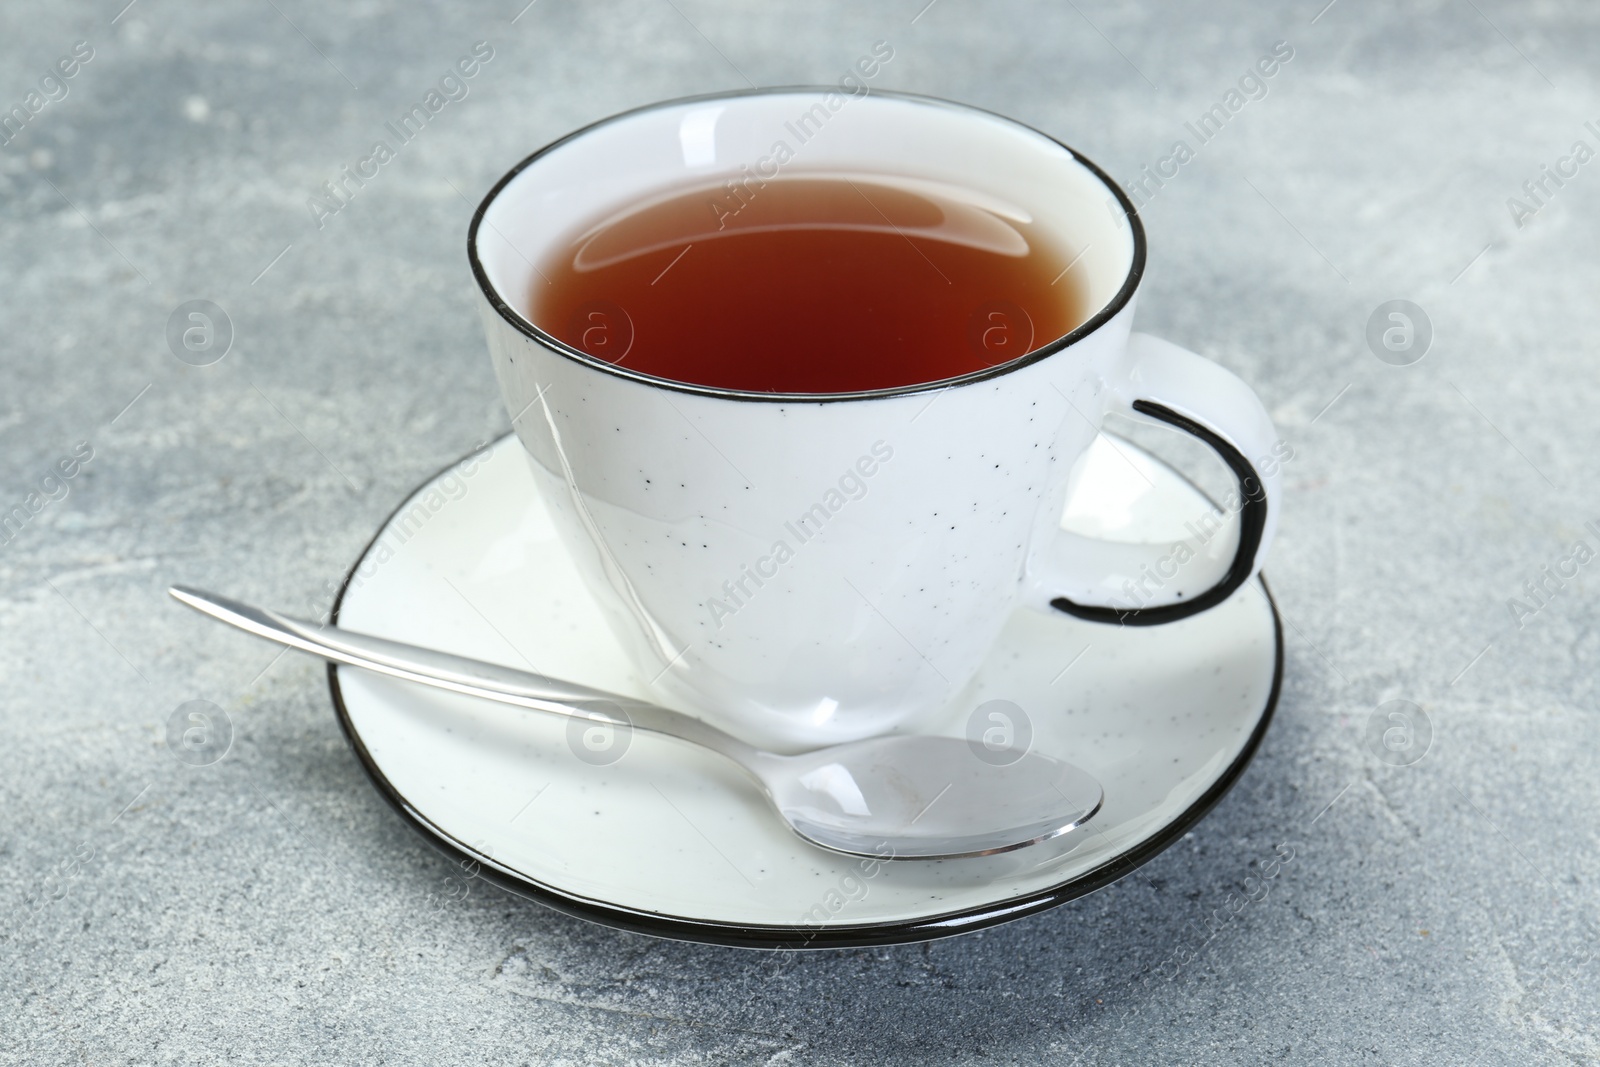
[269, 908]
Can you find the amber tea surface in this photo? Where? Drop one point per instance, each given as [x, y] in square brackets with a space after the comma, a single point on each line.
[816, 284]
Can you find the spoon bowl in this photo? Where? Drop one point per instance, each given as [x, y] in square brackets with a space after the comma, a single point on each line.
[915, 797]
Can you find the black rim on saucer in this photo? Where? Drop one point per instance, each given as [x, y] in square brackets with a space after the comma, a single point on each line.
[1130, 281]
[741, 935]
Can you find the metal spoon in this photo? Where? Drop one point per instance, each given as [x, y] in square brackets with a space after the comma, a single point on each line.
[895, 797]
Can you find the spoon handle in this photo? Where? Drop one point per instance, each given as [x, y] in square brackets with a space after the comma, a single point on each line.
[458, 674]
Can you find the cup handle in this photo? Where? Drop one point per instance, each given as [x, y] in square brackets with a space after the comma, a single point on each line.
[1150, 583]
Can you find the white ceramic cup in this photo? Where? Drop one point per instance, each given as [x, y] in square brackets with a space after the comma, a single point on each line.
[810, 569]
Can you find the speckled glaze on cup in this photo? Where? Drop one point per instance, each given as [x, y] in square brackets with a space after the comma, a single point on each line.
[810, 569]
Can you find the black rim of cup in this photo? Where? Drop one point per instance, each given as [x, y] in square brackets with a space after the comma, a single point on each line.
[523, 324]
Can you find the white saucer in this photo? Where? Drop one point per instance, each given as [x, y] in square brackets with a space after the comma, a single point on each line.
[674, 842]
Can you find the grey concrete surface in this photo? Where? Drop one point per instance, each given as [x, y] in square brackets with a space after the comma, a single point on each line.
[269, 908]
